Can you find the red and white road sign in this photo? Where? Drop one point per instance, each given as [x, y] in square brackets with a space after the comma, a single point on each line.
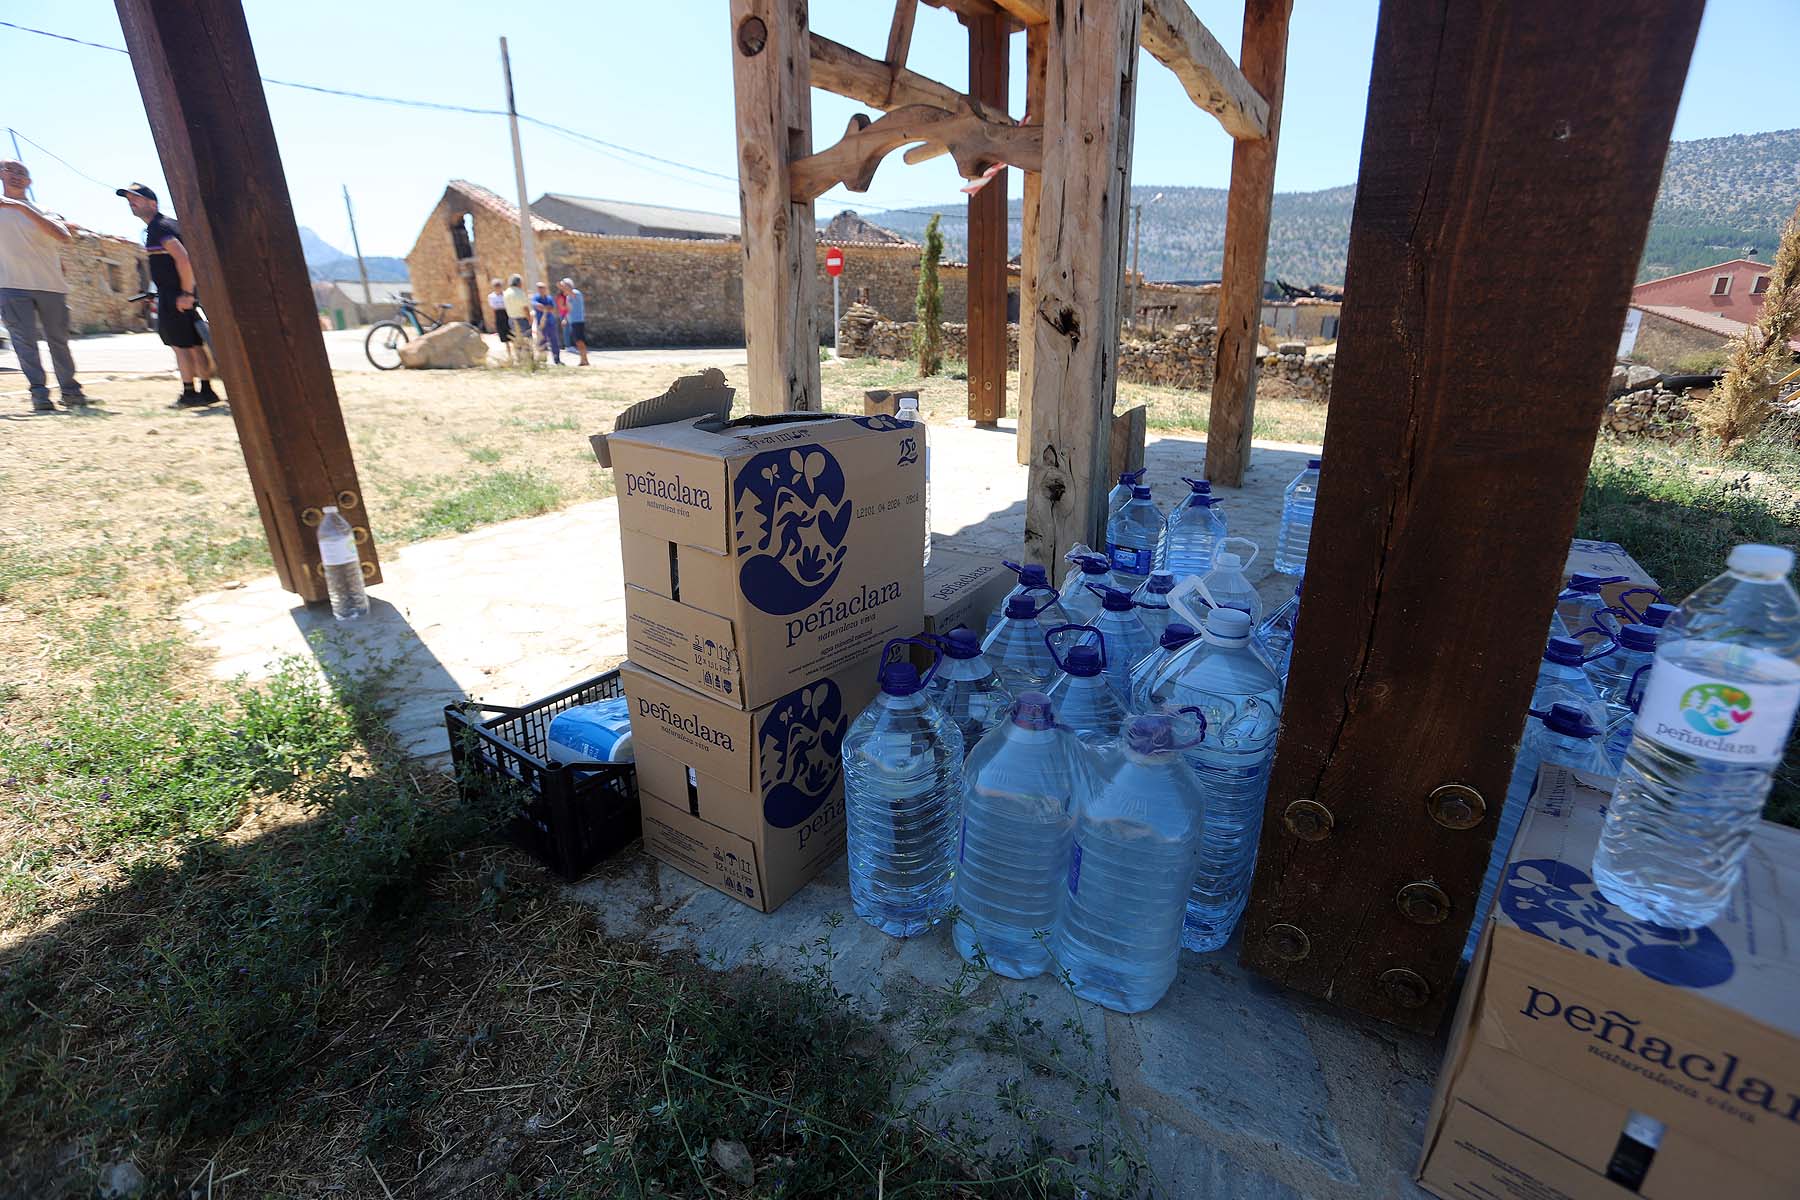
[834, 261]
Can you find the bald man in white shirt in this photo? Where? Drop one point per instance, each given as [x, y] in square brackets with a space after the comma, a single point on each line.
[32, 290]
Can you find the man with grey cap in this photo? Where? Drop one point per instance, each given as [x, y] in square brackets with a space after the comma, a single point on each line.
[177, 321]
[32, 290]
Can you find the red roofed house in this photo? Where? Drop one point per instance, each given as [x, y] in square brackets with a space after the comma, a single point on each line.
[1730, 289]
[1685, 317]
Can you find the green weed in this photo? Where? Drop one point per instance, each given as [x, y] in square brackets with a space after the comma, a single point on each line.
[483, 454]
[497, 496]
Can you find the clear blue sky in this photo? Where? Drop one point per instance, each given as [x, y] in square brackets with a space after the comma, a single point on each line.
[656, 77]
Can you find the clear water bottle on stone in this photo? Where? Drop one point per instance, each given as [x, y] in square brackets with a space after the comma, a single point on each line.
[1133, 537]
[1240, 699]
[902, 801]
[1561, 732]
[907, 408]
[1274, 636]
[1123, 634]
[1193, 531]
[1296, 520]
[1086, 700]
[1176, 635]
[1132, 865]
[1015, 647]
[343, 567]
[1018, 820]
[1227, 585]
[1713, 725]
[1078, 598]
[1562, 678]
[1152, 600]
[1619, 678]
[1033, 581]
[1121, 492]
[966, 688]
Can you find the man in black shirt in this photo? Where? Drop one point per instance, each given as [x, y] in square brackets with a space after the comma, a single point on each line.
[172, 273]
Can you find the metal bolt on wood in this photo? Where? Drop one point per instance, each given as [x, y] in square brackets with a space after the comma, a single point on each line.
[1308, 820]
[1423, 902]
[1405, 988]
[1289, 942]
[1456, 806]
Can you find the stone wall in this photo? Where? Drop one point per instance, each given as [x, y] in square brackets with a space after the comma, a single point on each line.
[1296, 377]
[102, 271]
[1163, 305]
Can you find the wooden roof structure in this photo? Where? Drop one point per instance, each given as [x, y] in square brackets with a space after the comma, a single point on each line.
[1509, 150]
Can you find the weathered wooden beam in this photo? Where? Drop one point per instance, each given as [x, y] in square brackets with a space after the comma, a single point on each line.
[1180, 42]
[1025, 12]
[197, 72]
[900, 32]
[1247, 208]
[1090, 96]
[1509, 150]
[1036, 48]
[967, 9]
[771, 57]
[975, 144]
[987, 236]
[839, 69]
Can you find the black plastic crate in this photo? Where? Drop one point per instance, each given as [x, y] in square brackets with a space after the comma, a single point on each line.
[572, 815]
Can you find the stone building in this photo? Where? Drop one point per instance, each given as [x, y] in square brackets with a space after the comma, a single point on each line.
[103, 272]
[342, 300]
[642, 290]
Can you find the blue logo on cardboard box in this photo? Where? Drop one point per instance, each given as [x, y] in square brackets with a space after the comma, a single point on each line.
[800, 745]
[790, 536]
[1560, 903]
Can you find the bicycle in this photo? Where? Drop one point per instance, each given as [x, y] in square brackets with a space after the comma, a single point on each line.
[385, 338]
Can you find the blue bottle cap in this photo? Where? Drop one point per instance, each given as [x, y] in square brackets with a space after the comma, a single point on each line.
[1148, 733]
[1083, 661]
[1140, 492]
[1177, 634]
[1032, 575]
[1160, 583]
[1112, 599]
[1569, 720]
[1197, 485]
[1033, 711]
[1313, 464]
[1657, 615]
[1564, 651]
[1093, 564]
[900, 678]
[1021, 608]
[961, 642]
[1638, 637]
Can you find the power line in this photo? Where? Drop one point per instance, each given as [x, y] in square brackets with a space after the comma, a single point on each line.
[59, 158]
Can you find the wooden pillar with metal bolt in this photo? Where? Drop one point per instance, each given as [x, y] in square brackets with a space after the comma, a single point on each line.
[988, 37]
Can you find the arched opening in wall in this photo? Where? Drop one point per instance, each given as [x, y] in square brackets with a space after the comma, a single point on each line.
[462, 241]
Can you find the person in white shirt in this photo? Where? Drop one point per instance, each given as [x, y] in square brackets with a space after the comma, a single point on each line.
[32, 290]
[497, 304]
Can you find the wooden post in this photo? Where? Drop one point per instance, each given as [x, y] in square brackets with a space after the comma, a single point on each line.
[771, 71]
[988, 36]
[197, 72]
[1459, 436]
[1264, 64]
[1089, 97]
[1037, 45]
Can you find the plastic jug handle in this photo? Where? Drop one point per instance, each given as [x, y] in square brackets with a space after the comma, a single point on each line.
[1200, 719]
[1630, 609]
[1605, 649]
[1254, 549]
[1043, 587]
[1050, 636]
[937, 655]
[1634, 693]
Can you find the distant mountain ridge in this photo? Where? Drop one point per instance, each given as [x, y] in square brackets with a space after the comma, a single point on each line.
[325, 261]
[1720, 197]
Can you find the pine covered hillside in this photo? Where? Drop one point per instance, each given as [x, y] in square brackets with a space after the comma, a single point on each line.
[1719, 197]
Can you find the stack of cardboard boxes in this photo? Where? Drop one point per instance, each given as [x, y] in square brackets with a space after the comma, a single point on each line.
[767, 563]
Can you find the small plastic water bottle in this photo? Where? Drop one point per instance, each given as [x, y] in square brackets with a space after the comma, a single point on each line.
[1562, 733]
[1152, 600]
[1086, 700]
[1033, 581]
[1296, 520]
[1121, 492]
[1133, 537]
[1226, 585]
[1078, 598]
[343, 567]
[1193, 531]
[907, 408]
[1018, 818]
[1619, 678]
[1136, 848]
[597, 732]
[1274, 636]
[1562, 679]
[1713, 725]
[1015, 647]
[1123, 635]
[1240, 699]
[902, 801]
[966, 688]
[1174, 637]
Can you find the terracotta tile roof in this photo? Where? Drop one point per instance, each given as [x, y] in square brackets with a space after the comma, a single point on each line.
[1695, 319]
[494, 203]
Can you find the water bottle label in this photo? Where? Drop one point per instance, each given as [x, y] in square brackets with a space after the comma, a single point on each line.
[1130, 561]
[337, 552]
[1717, 719]
[1075, 868]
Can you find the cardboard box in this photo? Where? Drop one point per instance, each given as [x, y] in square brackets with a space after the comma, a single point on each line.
[1598, 1056]
[764, 553]
[963, 589]
[749, 801]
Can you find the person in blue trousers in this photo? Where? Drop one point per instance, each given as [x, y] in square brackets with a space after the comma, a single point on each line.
[543, 312]
[577, 308]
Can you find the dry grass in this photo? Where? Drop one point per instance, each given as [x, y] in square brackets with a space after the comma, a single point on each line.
[1745, 398]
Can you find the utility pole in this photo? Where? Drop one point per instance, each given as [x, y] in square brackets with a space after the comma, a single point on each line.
[527, 238]
[368, 297]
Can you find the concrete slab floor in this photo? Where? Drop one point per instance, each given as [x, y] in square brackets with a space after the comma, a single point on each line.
[1230, 1087]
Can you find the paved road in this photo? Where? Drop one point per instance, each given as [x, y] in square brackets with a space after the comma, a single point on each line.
[143, 353]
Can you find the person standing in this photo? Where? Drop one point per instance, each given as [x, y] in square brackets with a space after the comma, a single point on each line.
[518, 314]
[545, 308]
[497, 306]
[32, 289]
[577, 309]
[172, 274]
